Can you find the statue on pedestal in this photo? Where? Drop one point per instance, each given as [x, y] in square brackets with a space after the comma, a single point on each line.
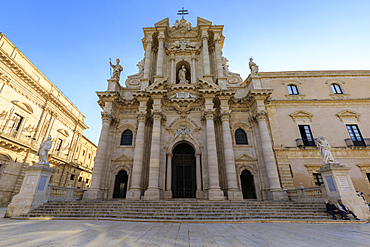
[116, 69]
[253, 67]
[43, 152]
[324, 149]
[182, 75]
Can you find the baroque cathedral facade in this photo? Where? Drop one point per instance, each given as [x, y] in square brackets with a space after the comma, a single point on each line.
[185, 126]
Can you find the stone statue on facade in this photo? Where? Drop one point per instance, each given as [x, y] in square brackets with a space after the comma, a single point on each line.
[43, 152]
[253, 67]
[116, 69]
[176, 24]
[324, 149]
[140, 65]
[182, 75]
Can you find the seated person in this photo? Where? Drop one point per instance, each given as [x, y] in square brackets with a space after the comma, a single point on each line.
[332, 209]
[345, 209]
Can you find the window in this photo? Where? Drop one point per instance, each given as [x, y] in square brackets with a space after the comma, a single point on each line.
[83, 152]
[306, 135]
[318, 179]
[58, 144]
[355, 135]
[72, 177]
[293, 89]
[89, 156]
[80, 179]
[336, 89]
[240, 137]
[14, 124]
[87, 180]
[368, 176]
[126, 138]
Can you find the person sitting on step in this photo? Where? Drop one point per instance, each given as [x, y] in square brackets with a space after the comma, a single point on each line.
[333, 210]
[345, 209]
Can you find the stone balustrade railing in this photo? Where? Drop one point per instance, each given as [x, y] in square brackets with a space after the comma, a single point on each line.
[312, 194]
[57, 193]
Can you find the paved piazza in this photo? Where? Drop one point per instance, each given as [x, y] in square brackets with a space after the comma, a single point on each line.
[121, 233]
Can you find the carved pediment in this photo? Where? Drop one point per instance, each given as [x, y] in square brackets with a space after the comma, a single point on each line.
[245, 158]
[123, 158]
[157, 87]
[301, 115]
[208, 86]
[63, 132]
[203, 22]
[162, 23]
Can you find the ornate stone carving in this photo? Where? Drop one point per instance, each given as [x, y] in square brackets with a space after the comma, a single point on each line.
[183, 108]
[43, 152]
[259, 116]
[232, 78]
[141, 116]
[106, 116]
[324, 149]
[208, 114]
[183, 45]
[225, 115]
[183, 95]
[253, 67]
[182, 75]
[183, 131]
[116, 70]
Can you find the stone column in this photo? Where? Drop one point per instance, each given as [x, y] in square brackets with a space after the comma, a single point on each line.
[95, 192]
[275, 191]
[160, 54]
[135, 190]
[205, 54]
[168, 192]
[199, 192]
[214, 191]
[152, 193]
[148, 57]
[173, 75]
[233, 191]
[193, 69]
[217, 40]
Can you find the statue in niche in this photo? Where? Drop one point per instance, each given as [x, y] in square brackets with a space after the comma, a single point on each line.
[324, 149]
[43, 152]
[182, 75]
[253, 67]
[116, 69]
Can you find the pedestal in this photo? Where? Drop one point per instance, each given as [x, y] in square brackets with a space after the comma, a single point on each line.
[133, 194]
[277, 195]
[152, 194]
[93, 194]
[33, 192]
[234, 195]
[338, 185]
[215, 194]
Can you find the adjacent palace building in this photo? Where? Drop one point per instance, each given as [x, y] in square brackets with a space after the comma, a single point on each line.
[31, 109]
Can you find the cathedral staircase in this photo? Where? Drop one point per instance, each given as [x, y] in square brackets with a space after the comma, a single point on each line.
[182, 210]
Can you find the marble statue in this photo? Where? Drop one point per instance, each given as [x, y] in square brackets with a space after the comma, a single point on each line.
[253, 67]
[324, 149]
[116, 69]
[188, 26]
[176, 24]
[182, 75]
[43, 151]
[140, 65]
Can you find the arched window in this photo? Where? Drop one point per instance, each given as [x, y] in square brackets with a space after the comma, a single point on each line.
[240, 137]
[126, 138]
[293, 89]
[336, 89]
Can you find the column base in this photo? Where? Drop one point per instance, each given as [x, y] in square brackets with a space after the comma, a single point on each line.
[199, 194]
[234, 195]
[215, 194]
[277, 195]
[133, 194]
[167, 194]
[151, 194]
[93, 194]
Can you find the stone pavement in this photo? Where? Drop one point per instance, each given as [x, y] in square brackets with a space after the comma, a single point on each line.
[121, 233]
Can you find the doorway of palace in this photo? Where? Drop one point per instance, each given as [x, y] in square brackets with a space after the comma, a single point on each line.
[183, 171]
[247, 182]
[120, 185]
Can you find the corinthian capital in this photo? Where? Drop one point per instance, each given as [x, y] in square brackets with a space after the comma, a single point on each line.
[225, 115]
[106, 116]
[157, 115]
[141, 116]
[260, 116]
[149, 40]
[161, 36]
[208, 114]
[205, 35]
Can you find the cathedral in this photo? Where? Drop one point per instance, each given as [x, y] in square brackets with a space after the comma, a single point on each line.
[185, 126]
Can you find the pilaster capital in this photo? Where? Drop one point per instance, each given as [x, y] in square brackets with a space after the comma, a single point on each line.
[260, 116]
[149, 40]
[205, 35]
[209, 114]
[161, 37]
[197, 154]
[172, 57]
[107, 117]
[225, 115]
[193, 56]
[169, 154]
[217, 38]
[141, 116]
[157, 115]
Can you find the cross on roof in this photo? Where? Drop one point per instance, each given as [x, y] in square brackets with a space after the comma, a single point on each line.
[182, 12]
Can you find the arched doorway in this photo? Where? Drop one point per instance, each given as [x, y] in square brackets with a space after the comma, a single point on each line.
[247, 182]
[183, 172]
[120, 185]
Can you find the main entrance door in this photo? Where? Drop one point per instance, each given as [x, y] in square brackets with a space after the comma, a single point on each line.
[120, 185]
[183, 172]
[247, 181]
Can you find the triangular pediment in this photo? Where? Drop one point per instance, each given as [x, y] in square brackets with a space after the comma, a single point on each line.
[301, 114]
[203, 22]
[348, 114]
[162, 23]
[208, 86]
[123, 158]
[245, 158]
[181, 32]
[157, 86]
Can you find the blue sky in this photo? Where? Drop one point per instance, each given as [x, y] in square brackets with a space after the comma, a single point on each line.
[71, 41]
